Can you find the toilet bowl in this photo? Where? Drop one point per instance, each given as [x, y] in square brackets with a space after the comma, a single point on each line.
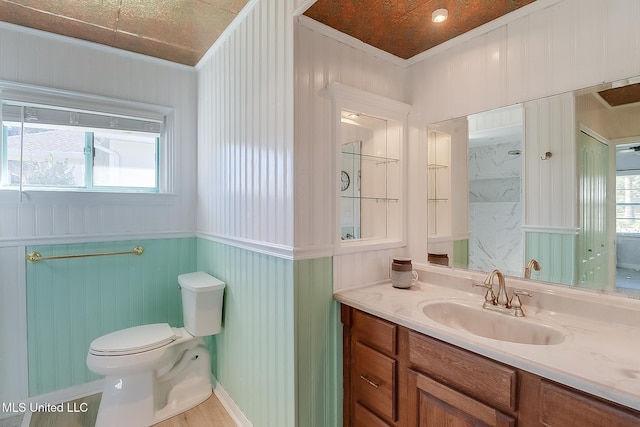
[154, 372]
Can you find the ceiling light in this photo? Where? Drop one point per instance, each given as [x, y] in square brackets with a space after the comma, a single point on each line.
[439, 15]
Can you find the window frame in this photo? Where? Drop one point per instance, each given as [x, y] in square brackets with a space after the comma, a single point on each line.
[47, 97]
[627, 173]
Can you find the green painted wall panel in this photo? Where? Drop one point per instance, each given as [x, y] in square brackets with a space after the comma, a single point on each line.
[461, 253]
[556, 254]
[279, 353]
[318, 338]
[255, 349]
[70, 302]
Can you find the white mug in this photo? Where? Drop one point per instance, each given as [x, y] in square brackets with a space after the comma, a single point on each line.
[403, 279]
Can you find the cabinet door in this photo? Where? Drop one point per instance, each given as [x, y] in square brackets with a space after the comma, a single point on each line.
[560, 407]
[432, 404]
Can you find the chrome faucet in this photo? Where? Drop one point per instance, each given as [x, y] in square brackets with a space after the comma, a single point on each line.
[502, 303]
[527, 270]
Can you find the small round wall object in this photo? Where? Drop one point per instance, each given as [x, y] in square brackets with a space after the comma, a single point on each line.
[344, 180]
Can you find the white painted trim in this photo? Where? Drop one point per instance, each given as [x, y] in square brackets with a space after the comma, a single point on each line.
[272, 249]
[92, 45]
[451, 238]
[313, 252]
[325, 30]
[92, 238]
[78, 100]
[232, 409]
[550, 229]
[303, 7]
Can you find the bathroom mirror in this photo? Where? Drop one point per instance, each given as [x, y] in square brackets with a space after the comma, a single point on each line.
[370, 138]
[555, 179]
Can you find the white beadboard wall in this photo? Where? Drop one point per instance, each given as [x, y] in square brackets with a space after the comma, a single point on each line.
[245, 131]
[550, 185]
[321, 59]
[42, 59]
[557, 47]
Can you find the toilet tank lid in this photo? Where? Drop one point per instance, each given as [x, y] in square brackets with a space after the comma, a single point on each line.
[200, 282]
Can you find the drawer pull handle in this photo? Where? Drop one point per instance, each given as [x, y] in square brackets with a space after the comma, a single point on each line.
[370, 382]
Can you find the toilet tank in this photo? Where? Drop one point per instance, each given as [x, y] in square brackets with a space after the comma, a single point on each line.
[201, 303]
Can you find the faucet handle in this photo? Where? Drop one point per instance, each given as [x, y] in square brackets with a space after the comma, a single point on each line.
[517, 292]
[489, 297]
[516, 304]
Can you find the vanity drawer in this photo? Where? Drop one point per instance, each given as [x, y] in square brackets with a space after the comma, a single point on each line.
[375, 332]
[560, 406]
[373, 378]
[365, 418]
[478, 377]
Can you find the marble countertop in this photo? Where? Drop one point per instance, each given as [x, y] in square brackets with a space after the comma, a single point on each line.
[597, 356]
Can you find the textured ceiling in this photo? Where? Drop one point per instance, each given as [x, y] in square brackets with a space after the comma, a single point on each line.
[183, 30]
[403, 27]
[176, 30]
[615, 97]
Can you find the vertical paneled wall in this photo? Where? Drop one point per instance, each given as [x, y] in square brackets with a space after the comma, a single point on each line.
[36, 58]
[41, 59]
[245, 130]
[71, 302]
[255, 349]
[318, 345]
[550, 185]
[13, 325]
[320, 60]
[568, 45]
[245, 198]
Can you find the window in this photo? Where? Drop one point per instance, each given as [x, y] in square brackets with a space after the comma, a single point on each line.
[48, 147]
[628, 203]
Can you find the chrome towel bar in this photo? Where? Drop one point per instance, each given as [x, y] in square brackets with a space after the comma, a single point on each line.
[34, 257]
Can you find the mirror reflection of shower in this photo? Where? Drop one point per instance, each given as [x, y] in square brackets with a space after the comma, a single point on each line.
[495, 190]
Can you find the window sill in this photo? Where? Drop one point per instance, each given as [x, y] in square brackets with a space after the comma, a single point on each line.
[58, 196]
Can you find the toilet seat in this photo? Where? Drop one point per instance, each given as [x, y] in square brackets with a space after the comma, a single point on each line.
[138, 339]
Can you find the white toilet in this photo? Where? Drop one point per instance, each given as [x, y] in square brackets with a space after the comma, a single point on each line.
[153, 372]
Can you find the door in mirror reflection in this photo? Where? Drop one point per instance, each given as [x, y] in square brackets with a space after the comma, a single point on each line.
[593, 235]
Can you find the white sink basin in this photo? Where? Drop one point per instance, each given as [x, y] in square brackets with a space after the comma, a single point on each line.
[492, 325]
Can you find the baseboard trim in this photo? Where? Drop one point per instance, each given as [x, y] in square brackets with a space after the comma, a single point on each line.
[61, 396]
[234, 412]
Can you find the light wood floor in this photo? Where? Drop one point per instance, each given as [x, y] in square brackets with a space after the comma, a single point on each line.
[209, 413]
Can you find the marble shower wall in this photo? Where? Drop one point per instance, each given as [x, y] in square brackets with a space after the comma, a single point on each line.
[495, 208]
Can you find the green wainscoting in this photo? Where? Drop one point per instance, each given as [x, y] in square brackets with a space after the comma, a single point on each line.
[70, 302]
[556, 254]
[461, 253]
[318, 338]
[278, 355]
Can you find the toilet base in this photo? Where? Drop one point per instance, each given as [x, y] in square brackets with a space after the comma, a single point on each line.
[147, 398]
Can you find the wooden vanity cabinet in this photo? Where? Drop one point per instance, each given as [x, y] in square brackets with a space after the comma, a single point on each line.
[371, 370]
[452, 387]
[396, 377]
